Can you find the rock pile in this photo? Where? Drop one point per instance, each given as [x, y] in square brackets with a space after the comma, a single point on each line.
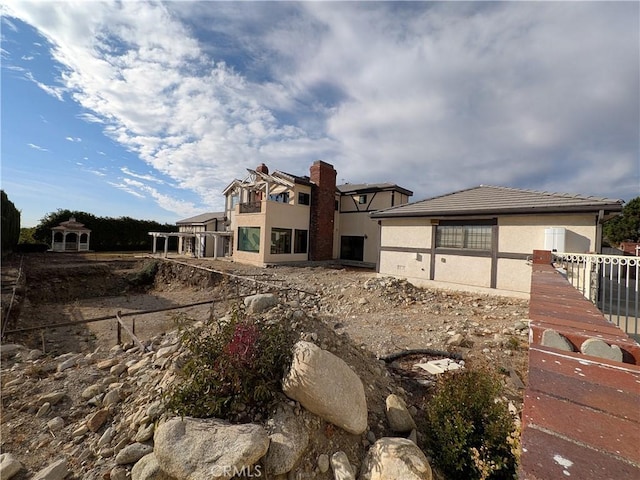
[101, 415]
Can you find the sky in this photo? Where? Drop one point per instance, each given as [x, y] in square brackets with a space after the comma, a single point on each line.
[150, 109]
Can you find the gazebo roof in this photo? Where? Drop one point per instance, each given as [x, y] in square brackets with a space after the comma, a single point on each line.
[72, 225]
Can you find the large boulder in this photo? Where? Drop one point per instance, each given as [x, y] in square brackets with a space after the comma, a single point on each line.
[289, 439]
[325, 385]
[395, 458]
[208, 449]
[260, 302]
[147, 468]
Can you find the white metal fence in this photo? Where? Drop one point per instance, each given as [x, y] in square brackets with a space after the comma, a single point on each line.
[610, 282]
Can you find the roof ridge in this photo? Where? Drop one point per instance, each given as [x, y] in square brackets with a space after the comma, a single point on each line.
[551, 194]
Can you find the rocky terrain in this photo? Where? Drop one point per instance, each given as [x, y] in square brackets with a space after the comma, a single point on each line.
[78, 405]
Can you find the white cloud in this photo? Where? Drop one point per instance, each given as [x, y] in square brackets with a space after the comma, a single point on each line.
[56, 92]
[150, 178]
[73, 139]
[433, 96]
[37, 147]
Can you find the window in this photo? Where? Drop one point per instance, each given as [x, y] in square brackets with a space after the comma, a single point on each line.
[362, 199]
[280, 240]
[280, 197]
[249, 239]
[475, 237]
[300, 241]
[337, 205]
[235, 199]
[304, 198]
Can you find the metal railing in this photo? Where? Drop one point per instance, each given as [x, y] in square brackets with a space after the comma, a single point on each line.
[610, 282]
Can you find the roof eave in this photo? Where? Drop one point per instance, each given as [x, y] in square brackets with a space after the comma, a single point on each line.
[609, 208]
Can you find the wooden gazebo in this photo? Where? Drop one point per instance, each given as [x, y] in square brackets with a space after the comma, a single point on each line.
[70, 236]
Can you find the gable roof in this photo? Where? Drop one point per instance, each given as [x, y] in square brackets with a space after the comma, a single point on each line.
[202, 218]
[359, 188]
[492, 200]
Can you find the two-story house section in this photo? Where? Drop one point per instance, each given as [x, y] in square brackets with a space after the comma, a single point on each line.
[282, 218]
[270, 216]
[359, 234]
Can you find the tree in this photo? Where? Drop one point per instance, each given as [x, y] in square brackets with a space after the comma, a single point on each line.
[107, 234]
[626, 226]
[10, 225]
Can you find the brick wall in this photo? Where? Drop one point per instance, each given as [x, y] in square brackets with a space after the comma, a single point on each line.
[323, 195]
[581, 416]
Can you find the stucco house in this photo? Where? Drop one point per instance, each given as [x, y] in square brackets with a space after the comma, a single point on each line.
[202, 237]
[280, 218]
[483, 237]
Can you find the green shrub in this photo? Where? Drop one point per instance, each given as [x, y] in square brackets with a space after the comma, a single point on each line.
[234, 369]
[470, 433]
[146, 275]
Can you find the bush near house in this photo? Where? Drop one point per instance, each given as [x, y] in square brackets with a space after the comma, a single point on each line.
[471, 433]
[107, 233]
[234, 367]
[10, 226]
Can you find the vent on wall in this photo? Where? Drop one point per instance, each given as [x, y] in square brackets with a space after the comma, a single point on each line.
[554, 239]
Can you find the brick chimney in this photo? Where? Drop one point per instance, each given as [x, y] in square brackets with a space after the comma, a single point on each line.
[262, 168]
[323, 198]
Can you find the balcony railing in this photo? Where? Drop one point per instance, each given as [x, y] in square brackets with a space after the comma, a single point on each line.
[251, 207]
[610, 282]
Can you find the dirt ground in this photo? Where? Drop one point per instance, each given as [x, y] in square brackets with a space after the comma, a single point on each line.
[361, 316]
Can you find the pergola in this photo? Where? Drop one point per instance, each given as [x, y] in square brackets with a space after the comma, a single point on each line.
[70, 236]
[199, 244]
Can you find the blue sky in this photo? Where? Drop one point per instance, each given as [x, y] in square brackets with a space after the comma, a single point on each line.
[149, 109]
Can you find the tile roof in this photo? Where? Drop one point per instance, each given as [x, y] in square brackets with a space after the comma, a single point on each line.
[492, 200]
[202, 218]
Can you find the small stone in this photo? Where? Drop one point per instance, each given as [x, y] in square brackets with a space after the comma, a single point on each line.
[323, 463]
[342, 469]
[91, 391]
[145, 433]
[52, 398]
[9, 466]
[55, 424]
[106, 437]
[521, 325]
[95, 421]
[34, 355]
[43, 410]
[56, 471]
[78, 432]
[397, 414]
[67, 364]
[132, 453]
[118, 369]
[456, 340]
[601, 349]
[103, 365]
[111, 398]
[551, 338]
[118, 473]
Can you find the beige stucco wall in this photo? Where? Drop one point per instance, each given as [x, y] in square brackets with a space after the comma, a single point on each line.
[475, 271]
[282, 215]
[516, 235]
[525, 233]
[406, 232]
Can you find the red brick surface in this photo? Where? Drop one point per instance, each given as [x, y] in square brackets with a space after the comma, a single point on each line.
[581, 416]
[321, 223]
